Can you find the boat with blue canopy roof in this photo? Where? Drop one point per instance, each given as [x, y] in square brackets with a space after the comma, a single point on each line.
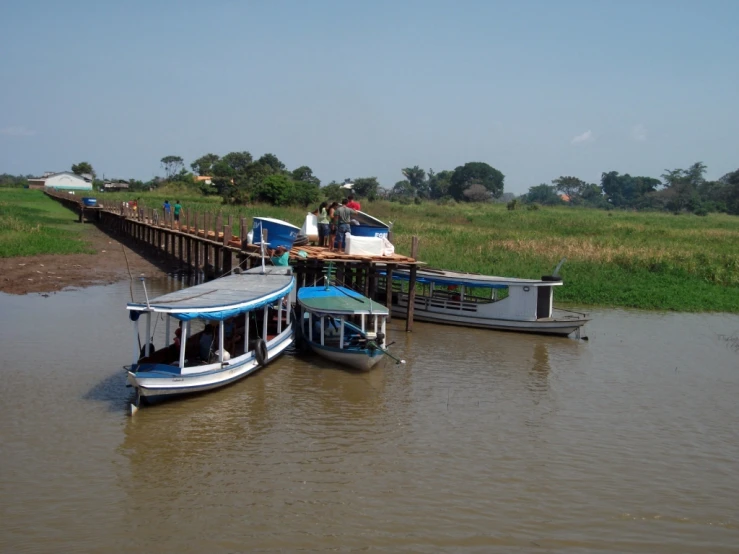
[344, 326]
[227, 329]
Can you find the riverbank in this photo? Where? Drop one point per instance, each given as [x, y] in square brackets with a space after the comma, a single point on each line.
[43, 249]
[614, 259]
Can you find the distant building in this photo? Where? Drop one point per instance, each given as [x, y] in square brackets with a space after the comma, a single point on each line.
[115, 185]
[66, 180]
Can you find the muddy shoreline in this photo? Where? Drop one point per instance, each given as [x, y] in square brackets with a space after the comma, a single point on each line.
[113, 260]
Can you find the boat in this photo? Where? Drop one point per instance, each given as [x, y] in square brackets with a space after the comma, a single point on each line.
[364, 225]
[279, 232]
[248, 313]
[484, 301]
[343, 326]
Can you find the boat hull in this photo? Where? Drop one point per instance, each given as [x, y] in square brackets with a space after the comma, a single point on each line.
[363, 360]
[549, 326]
[157, 381]
[279, 233]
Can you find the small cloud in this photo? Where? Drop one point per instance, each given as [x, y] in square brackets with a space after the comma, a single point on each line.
[639, 133]
[17, 132]
[587, 136]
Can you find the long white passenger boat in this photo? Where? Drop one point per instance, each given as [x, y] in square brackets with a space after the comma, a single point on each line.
[485, 301]
[245, 322]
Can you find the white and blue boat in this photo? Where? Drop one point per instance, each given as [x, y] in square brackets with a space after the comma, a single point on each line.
[343, 326]
[229, 328]
[279, 232]
[364, 225]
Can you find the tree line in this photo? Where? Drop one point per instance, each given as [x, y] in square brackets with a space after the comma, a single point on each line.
[679, 190]
[239, 178]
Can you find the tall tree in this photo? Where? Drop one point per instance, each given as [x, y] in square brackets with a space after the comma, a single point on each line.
[476, 173]
[623, 191]
[367, 187]
[273, 162]
[304, 174]
[571, 187]
[172, 165]
[417, 178]
[204, 164]
[542, 194]
[239, 162]
[83, 168]
[439, 183]
[731, 180]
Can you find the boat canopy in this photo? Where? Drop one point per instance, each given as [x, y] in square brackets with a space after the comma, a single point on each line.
[368, 220]
[338, 300]
[221, 298]
[470, 279]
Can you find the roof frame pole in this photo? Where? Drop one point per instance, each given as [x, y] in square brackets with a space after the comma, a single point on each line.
[376, 318]
[246, 332]
[310, 326]
[136, 340]
[323, 331]
[265, 323]
[363, 323]
[148, 334]
[166, 331]
[341, 334]
[220, 341]
[183, 342]
[279, 317]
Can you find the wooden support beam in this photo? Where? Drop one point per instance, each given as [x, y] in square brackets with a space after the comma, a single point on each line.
[414, 248]
[389, 288]
[227, 263]
[411, 299]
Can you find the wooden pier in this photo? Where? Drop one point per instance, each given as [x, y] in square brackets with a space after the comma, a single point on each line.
[206, 242]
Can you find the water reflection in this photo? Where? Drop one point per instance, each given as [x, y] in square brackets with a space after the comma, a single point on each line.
[483, 441]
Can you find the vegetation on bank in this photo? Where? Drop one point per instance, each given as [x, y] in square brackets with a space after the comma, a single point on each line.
[614, 258]
[32, 223]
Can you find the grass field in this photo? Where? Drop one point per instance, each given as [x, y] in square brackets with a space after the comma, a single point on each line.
[31, 224]
[615, 259]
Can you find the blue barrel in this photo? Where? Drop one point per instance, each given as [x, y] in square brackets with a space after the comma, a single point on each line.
[279, 233]
[90, 201]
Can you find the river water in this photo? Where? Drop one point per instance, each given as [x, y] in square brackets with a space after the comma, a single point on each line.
[482, 442]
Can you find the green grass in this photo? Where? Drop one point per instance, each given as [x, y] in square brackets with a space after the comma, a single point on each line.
[31, 224]
[614, 259]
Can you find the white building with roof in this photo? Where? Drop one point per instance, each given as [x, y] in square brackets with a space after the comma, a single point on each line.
[65, 180]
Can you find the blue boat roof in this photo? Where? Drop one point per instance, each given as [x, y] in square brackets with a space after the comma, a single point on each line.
[222, 298]
[338, 300]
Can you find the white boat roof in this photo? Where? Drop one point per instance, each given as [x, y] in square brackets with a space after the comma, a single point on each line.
[239, 293]
[278, 221]
[367, 219]
[440, 276]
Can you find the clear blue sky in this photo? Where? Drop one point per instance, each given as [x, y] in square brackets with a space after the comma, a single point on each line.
[537, 89]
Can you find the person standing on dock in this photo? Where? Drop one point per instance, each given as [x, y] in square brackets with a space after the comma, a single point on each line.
[332, 226]
[344, 216]
[167, 209]
[177, 210]
[323, 224]
[353, 204]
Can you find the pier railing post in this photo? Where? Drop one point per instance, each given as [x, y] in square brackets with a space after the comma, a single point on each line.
[227, 256]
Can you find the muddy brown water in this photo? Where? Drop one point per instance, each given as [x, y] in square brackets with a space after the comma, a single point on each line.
[482, 442]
